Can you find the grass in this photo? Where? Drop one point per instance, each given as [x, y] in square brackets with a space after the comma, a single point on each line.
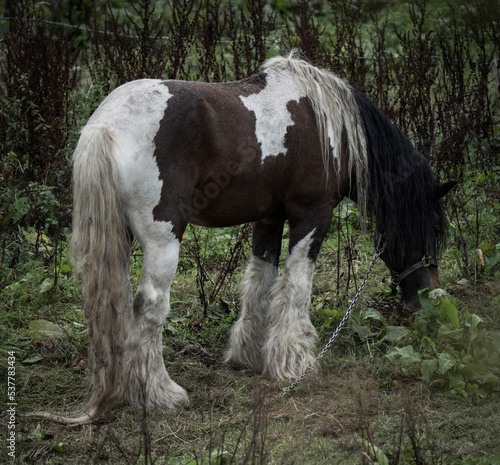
[352, 412]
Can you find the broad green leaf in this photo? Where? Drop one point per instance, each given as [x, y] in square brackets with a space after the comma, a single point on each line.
[446, 363]
[39, 432]
[220, 457]
[168, 327]
[64, 269]
[493, 350]
[428, 342]
[457, 381]
[479, 374]
[428, 369]
[403, 356]
[474, 323]
[17, 210]
[47, 285]
[33, 359]
[395, 333]
[363, 332]
[374, 314]
[374, 451]
[448, 331]
[44, 329]
[58, 447]
[448, 312]
[426, 301]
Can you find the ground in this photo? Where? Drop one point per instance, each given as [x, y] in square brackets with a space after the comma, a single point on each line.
[353, 410]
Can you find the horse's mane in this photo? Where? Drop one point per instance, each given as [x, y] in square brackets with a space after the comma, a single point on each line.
[394, 183]
[336, 113]
[401, 191]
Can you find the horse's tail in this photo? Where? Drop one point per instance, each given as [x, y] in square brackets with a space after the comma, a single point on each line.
[101, 248]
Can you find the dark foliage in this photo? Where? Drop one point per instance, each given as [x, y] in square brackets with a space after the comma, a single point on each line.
[39, 77]
[36, 118]
[440, 89]
[130, 49]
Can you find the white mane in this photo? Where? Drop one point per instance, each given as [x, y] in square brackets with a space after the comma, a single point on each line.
[336, 111]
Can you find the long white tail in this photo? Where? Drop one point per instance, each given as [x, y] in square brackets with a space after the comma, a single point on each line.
[101, 247]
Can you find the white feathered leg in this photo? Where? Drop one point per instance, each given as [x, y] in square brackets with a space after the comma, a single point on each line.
[147, 380]
[291, 337]
[249, 332]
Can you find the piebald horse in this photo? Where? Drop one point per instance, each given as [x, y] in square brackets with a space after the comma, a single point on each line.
[287, 144]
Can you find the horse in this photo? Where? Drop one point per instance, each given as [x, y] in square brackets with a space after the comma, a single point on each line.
[286, 144]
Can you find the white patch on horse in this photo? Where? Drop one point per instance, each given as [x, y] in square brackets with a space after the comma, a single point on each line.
[331, 137]
[133, 113]
[147, 380]
[272, 117]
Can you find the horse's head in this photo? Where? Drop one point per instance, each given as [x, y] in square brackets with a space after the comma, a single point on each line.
[412, 262]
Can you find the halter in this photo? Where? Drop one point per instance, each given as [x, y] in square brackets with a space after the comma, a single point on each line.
[426, 262]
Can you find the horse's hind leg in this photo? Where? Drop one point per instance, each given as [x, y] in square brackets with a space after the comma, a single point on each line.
[291, 337]
[147, 380]
[249, 332]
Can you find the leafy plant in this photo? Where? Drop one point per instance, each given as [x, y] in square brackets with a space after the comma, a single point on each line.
[455, 352]
[491, 258]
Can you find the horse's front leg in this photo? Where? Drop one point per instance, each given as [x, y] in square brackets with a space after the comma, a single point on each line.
[146, 379]
[291, 337]
[248, 335]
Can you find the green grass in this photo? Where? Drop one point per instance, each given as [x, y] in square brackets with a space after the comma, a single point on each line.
[353, 409]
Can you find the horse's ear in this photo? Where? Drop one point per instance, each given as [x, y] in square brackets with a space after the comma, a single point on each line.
[440, 190]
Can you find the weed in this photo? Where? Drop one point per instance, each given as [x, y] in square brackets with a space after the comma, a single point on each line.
[459, 354]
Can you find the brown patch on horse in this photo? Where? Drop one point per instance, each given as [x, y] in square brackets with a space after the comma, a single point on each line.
[200, 119]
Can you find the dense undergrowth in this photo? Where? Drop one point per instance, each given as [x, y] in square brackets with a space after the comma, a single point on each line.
[398, 375]
[446, 354]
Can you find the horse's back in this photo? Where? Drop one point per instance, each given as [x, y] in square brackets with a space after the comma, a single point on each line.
[215, 154]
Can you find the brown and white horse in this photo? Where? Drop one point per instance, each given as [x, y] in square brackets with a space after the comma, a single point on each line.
[284, 145]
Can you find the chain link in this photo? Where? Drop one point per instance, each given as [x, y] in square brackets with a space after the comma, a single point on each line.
[376, 256]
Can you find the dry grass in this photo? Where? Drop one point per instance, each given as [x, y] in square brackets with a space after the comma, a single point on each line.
[335, 417]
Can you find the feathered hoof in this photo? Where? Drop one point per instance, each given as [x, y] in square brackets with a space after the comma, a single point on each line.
[287, 361]
[166, 395]
[235, 358]
[244, 351]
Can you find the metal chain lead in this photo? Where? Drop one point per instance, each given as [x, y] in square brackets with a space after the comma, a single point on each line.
[376, 256]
